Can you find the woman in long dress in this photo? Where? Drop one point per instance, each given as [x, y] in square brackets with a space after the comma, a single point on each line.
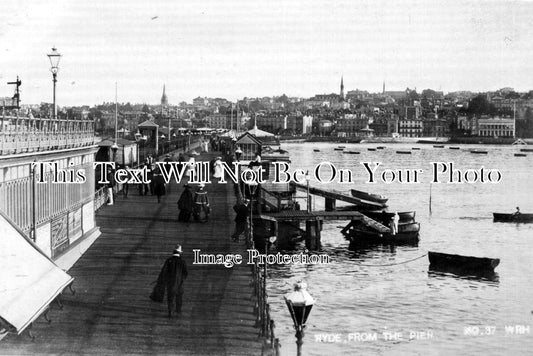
[218, 169]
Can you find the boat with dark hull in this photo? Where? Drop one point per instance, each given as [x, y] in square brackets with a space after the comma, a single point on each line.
[441, 261]
[385, 217]
[369, 196]
[517, 218]
[364, 236]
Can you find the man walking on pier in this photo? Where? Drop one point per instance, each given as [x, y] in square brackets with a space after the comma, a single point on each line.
[172, 276]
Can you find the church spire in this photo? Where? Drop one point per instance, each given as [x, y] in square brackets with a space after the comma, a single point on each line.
[164, 99]
[342, 88]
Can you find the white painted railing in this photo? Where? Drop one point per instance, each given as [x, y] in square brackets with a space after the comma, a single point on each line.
[23, 135]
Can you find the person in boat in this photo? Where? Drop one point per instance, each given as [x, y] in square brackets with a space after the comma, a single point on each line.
[394, 223]
[517, 212]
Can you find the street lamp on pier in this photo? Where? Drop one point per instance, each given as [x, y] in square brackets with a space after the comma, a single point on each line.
[54, 57]
[299, 304]
[307, 179]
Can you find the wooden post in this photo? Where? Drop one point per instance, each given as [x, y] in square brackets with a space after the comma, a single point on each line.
[330, 204]
[312, 236]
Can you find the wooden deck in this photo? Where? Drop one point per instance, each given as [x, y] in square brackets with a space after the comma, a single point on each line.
[111, 312]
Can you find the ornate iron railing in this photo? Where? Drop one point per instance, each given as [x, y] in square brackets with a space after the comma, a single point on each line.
[25, 135]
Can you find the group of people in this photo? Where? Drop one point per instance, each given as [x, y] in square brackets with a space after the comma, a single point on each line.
[194, 204]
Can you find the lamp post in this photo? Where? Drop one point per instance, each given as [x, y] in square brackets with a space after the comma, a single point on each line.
[114, 148]
[54, 57]
[299, 304]
[144, 138]
[163, 142]
[307, 179]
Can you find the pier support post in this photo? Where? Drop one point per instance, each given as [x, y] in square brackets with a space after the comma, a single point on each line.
[330, 204]
[312, 236]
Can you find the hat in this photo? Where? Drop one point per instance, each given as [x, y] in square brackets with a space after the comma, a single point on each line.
[177, 250]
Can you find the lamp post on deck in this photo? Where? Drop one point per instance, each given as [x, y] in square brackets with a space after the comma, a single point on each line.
[299, 304]
[54, 57]
[307, 179]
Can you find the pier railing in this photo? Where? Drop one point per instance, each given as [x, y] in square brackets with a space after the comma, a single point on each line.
[271, 344]
[25, 134]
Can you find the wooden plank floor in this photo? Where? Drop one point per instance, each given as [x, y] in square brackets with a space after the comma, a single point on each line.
[111, 312]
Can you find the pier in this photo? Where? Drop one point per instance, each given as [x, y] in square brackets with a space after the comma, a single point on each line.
[314, 219]
[111, 312]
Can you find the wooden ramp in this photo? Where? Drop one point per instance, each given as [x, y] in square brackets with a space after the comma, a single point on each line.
[111, 313]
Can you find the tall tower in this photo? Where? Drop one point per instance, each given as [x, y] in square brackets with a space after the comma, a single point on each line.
[164, 99]
[342, 89]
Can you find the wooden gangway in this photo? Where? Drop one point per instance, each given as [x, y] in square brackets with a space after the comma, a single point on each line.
[332, 196]
[302, 215]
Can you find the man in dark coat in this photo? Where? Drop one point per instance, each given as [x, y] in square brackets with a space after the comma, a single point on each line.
[185, 204]
[241, 219]
[171, 278]
[159, 185]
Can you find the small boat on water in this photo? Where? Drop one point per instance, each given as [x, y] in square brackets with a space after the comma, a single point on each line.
[454, 148]
[479, 152]
[520, 155]
[369, 196]
[445, 260]
[438, 146]
[403, 152]
[352, 152]
[341, 146]
[316, 150]
[518, 218]
[371, 149]
[362, 235]
[415, 148]
[526, 150]
[384, 218]
[380, 147]
[338, 149]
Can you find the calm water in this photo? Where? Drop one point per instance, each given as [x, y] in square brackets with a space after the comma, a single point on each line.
[356, 296]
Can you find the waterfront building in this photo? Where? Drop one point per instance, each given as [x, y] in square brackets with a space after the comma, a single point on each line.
[495, 127]
[410, 128]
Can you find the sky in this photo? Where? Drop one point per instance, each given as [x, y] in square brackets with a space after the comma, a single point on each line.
[248, 48]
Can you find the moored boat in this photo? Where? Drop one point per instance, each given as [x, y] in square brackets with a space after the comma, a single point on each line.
[454, 148]
[438, 146]
[479, 152]
[371, 149]
[403, 152]
[385, 217]
[351, 152]
[316, 150]
[526, 150]
[415, 148]
[519, 218]
[520, 155]
[445, 260]
[338, 149]
[357, 235]
[369, 196]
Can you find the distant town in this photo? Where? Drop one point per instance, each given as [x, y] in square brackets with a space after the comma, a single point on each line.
[502, 114]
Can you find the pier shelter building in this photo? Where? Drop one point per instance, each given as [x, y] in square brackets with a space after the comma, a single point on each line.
[47, 205]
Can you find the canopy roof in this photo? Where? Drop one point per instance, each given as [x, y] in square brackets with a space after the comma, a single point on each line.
[30, 280]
